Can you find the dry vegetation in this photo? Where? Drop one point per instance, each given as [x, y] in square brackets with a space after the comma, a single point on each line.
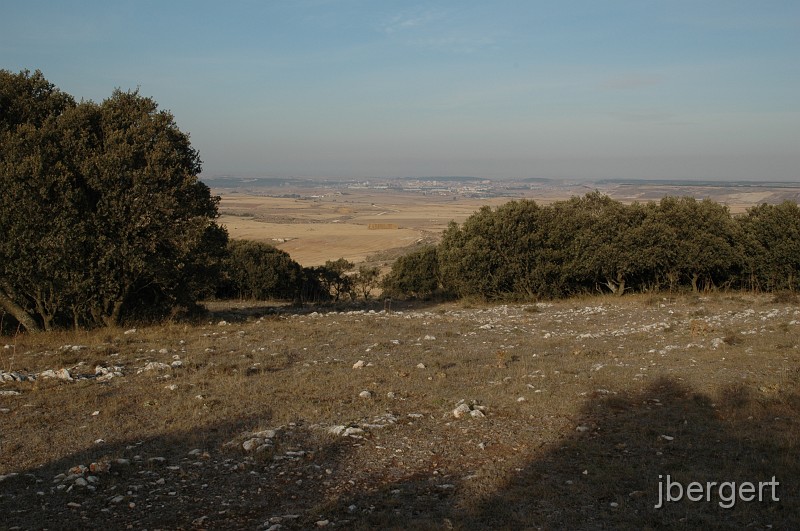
[586, 403]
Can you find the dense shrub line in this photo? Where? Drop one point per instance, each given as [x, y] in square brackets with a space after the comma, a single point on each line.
[522, 250]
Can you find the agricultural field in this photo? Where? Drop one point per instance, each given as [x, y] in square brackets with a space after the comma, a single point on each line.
[356, 227]
[315, 223]
[564, 414]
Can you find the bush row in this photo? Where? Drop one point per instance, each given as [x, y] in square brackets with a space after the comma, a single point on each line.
[522, 250]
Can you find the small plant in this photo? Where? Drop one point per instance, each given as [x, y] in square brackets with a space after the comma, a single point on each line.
[731, 338]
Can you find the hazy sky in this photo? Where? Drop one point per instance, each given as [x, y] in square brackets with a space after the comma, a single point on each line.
[359, 88]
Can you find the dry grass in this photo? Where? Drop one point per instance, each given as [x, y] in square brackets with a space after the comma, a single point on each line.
[579, 397]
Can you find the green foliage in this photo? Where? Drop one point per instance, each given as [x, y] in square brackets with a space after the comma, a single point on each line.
[771, 241]
[256, 270]
[593, 243]
[366, 280]
[102, 214]
[414, 275]
[334, 278]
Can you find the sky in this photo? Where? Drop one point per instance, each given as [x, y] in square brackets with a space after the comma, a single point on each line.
[668, 89]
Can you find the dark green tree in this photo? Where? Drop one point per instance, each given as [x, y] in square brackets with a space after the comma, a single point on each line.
[334, 278]
[257, 270]
[771, 241]
[103, 216]
[701, 239]
[413, 275]
[366, 280]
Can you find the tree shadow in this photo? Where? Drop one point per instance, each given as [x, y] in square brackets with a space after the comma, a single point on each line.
[607, 473]
[199, 479]
[242, 311]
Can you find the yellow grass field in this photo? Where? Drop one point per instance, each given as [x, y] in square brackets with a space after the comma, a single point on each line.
[328, 223]
[326, 228]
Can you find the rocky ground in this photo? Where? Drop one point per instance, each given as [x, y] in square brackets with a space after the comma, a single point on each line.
[548, 415]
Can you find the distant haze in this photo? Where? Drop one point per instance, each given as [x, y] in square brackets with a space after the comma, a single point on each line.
[508, 89]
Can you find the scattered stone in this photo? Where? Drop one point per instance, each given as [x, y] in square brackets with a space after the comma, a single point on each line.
[667, 438]
[429, 338]
[420, 366]
[155, 366]
[359, 364]
[582, 428]
[365, 394]
[177, 363]
[461, 410]
[73, 505]
[9, 393]
[117, 499]
[251, 444]
[476, 413]
[222, 323]
[107, 373]
[129, 332]
[322, 523]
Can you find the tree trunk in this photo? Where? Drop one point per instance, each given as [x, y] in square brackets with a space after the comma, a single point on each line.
[113, 318]
[19, 313]
[695, 278]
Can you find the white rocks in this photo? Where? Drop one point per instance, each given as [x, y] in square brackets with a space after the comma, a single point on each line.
[420, 366]
[177, 363]
[14, 376]
[106, 373]
[155, 366]
[9, 393]
[461, 410]
[582, 428]
[365, 394]
[429, 338]
[476, 413]
[668, 438]
[251, 444]
[129, 332]
[61, 374]
[359, 364]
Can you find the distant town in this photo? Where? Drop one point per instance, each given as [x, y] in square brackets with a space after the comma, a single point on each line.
[467, 187]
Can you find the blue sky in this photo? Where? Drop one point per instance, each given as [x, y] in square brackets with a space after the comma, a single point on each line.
[369, 88]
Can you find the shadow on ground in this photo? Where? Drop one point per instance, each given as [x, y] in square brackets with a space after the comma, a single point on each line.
[607, 477]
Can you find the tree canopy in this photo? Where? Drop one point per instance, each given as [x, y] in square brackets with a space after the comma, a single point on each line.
[102, 215]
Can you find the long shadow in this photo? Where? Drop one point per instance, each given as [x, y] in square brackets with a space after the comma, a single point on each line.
[185, 480]
[608, 476]
[240, 311]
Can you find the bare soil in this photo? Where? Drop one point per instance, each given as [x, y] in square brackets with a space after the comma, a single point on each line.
[585, 406]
